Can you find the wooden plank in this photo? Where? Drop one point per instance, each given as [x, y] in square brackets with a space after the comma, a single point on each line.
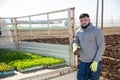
[70, 76]
[49, 75]
[16, 33]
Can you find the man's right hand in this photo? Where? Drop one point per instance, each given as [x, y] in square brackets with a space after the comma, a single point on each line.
[75, 47]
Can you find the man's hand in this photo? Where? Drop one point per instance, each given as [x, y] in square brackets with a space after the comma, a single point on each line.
[75, 47]
[94, 66]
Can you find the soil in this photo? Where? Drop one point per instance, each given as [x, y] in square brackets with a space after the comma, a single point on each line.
[112, 46]
[111, 57]
[53, 40]
[34, 34]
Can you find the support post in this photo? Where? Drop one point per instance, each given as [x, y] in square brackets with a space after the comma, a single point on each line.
[71, 29]
[16, 33]
[97, 13]
[48, 24]
[30, 26]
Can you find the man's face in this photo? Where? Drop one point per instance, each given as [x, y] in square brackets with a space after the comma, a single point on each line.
[84, 21]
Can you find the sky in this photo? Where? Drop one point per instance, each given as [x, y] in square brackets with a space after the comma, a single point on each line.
[16, 8]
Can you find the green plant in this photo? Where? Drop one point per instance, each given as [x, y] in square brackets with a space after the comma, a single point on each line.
[40, 61]
[11, 55]
[22, 60]
[5, 67]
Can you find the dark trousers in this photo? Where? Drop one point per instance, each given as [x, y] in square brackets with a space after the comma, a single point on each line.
[85, 73]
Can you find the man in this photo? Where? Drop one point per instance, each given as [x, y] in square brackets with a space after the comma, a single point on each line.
[92, 46]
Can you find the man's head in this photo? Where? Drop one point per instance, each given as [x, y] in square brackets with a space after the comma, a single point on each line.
[84, 19]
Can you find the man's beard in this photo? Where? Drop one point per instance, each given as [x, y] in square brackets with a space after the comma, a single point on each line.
[84, 27]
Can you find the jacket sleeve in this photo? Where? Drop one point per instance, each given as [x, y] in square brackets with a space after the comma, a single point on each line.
[100, 45]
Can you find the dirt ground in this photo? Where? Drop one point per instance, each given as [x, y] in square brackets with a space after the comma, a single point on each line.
[111, 60]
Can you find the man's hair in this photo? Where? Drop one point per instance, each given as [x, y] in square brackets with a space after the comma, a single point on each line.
[84, 15]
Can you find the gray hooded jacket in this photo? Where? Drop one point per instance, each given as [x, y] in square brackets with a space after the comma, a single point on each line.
[92, 44]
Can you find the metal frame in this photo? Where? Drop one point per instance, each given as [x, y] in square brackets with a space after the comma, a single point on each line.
[71, 35]
[71, 29]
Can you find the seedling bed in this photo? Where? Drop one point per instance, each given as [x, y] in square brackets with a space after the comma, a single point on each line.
[23, 61]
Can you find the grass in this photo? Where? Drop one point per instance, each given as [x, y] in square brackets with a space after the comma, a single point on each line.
[22, 60]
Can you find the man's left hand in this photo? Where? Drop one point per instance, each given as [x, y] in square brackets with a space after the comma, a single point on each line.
[94, 66]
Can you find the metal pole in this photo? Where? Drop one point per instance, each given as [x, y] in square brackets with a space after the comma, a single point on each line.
[48, 23]
[97, 13]
[112, 21]
[30, 26]
[0, 31]
[102, 14]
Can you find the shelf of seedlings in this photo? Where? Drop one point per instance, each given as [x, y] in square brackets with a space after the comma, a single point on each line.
[24, 61]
